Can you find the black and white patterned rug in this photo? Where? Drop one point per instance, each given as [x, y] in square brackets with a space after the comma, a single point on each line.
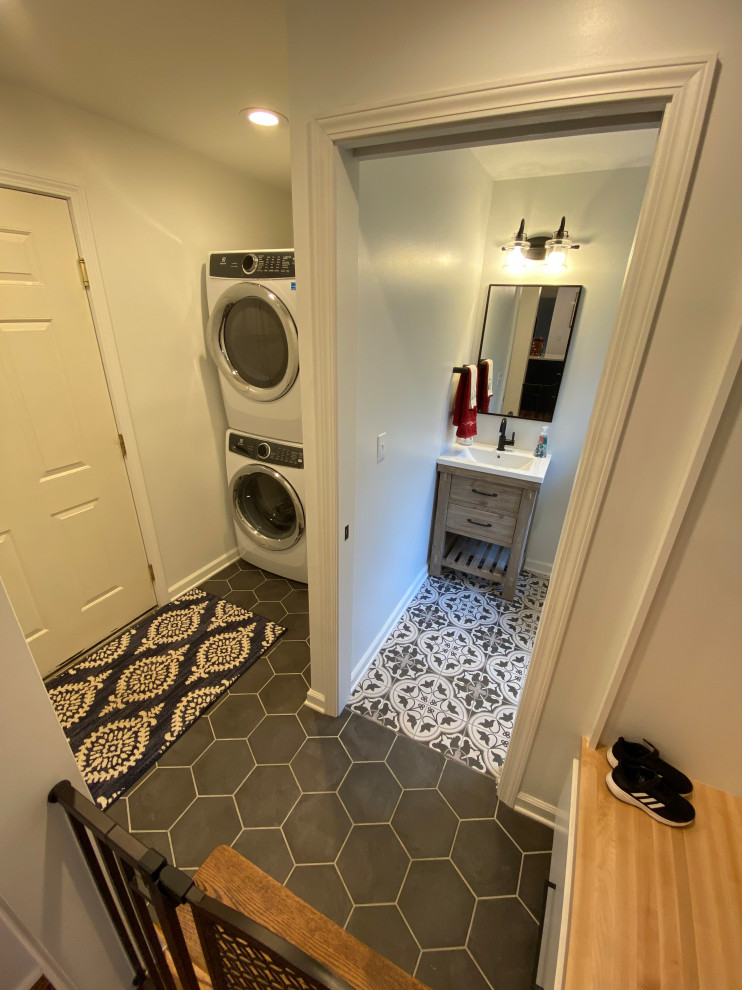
[124, 705]
[451, 672]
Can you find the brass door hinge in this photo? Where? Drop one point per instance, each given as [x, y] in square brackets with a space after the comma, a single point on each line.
[83, 273]
[122, 445]
[151, 570]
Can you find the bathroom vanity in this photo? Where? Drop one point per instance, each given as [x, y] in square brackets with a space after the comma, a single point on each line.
[483, 510]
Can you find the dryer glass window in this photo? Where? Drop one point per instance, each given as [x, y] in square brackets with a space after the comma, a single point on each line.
[255, 343]
[267, 507]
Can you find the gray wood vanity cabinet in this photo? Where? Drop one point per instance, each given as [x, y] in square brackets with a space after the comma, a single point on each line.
[481, 523]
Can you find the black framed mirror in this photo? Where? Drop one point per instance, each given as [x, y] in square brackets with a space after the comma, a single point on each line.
[526, 333]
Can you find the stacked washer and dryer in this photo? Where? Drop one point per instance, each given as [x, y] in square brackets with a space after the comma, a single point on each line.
[253, 340]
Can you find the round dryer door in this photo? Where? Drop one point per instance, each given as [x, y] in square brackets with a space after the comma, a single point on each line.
[267, 507]
[253, 340]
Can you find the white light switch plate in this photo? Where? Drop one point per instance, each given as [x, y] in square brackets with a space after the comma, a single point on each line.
[380, 447]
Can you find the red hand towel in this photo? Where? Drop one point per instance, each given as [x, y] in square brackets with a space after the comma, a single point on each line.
[464, 418]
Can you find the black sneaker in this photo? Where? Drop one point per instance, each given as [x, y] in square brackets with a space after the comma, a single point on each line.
[647, 790]
[648, 756]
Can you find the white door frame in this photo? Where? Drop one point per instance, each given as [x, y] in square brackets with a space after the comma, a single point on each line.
[680, 88]
[83, 233]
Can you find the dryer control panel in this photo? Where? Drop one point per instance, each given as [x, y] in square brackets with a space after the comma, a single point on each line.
[252, 264]
[268, 451]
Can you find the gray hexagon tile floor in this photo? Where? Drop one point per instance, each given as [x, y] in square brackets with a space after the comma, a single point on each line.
[410, 851]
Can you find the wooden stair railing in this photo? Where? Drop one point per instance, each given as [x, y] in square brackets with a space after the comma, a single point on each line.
[177, 936]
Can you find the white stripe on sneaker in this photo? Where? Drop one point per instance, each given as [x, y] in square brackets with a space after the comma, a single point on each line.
[629, 798]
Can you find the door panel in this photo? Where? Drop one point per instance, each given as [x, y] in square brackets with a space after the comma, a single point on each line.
[33, 359]
[19, 592]
[71, 552]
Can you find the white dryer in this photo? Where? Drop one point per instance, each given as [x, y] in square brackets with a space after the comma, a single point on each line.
[266, 486]
[253, 341]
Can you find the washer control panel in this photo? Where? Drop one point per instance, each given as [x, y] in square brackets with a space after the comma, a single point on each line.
[252, 264]
[268, 451]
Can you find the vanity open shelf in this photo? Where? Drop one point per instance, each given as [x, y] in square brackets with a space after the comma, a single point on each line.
[481, 523]
[489, 560]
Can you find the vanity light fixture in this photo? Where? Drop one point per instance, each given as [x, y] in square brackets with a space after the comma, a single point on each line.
[515, 251]
[521, 249]
[264, 117]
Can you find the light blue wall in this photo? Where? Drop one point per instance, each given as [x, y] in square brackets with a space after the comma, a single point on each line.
[422, 223]
[602, 209]
[431, 231]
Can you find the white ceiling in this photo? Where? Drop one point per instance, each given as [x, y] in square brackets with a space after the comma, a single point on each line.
[575, 153]
[183, 69]
[180, 69]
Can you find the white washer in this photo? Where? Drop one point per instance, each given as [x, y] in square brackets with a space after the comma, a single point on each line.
[266, 488]
[252, 339]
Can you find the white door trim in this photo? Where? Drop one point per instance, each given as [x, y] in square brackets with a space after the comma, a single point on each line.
[83, 231]
[680, 86]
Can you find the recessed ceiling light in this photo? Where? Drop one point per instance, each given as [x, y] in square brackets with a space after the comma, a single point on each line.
[264, 117]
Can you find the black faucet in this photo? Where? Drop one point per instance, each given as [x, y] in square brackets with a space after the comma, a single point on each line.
[502, 443]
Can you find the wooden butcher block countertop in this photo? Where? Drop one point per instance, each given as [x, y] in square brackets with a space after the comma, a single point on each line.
[654, 906]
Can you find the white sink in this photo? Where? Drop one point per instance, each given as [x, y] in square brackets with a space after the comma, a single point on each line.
[508, 463]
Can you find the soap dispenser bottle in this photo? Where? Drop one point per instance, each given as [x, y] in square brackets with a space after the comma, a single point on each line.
[540, 450]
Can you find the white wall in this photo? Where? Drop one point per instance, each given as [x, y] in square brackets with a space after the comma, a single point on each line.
[602, 209]
[422, 222]
[342, 55]
[44, 883]
[20, 969]
[156, 212]
[689, 653]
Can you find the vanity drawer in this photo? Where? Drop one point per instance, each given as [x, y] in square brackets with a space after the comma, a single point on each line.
[490, 496]
[493, 527]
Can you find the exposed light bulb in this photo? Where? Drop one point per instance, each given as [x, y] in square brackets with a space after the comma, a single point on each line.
[556, 259]
[515, 261]
[557, 249]
[515, 251]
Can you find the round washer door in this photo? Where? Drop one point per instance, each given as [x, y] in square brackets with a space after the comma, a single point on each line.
[253, 340]
[267, 508]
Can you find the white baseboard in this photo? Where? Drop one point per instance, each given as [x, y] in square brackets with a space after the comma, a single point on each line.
[203, 573]
[365, 662]
[32, 955]
[536, 809]
[315, 701]
[541, 567]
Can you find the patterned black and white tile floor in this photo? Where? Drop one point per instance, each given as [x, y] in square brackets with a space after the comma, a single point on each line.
[451, 672]
[410, 851]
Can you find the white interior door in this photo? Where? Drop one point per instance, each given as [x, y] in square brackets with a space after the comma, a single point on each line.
[71, 552]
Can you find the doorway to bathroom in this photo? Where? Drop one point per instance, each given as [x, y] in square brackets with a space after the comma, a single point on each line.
[619, 98]
[442, 654]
